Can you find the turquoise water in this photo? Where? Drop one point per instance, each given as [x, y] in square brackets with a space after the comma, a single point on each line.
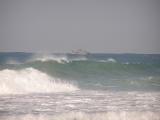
[82, 87]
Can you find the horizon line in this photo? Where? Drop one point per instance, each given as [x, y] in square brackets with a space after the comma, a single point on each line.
[40, 52]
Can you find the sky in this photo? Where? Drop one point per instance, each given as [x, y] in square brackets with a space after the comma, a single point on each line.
[108, 26]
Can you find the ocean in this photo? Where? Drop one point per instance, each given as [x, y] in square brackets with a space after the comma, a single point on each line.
[96, 86]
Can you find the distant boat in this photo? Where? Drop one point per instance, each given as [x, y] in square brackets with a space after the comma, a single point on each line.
[79, 52]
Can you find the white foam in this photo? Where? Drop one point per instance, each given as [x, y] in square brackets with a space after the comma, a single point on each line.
[111, 60]
[45, 58]
[58, 58]
[96, 116]
[31, 80]
[108, 60]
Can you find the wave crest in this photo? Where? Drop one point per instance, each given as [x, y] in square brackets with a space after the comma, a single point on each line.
[30, 80]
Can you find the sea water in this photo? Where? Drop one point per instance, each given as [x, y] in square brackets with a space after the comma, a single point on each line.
[79, 87]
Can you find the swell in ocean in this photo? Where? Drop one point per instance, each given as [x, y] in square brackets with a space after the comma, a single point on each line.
[97, 71]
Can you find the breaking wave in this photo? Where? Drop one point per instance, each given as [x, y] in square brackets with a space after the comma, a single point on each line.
[67, 59]
[58, 58]
[30, 80]
[45, 58]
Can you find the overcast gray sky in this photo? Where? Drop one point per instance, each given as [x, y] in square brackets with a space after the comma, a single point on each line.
[112, 26]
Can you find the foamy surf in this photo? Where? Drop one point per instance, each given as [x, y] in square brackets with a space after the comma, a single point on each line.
[30, 80]
[86, 116]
